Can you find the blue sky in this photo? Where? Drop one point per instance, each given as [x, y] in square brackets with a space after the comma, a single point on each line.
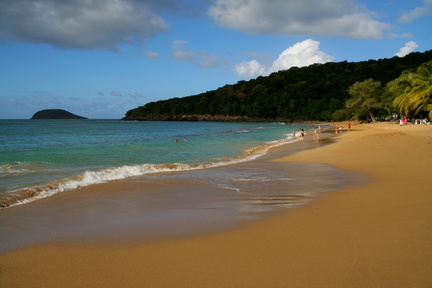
[101, 58]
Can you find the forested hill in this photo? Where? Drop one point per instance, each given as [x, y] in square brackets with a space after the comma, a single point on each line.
[308, 93]
[56, 114]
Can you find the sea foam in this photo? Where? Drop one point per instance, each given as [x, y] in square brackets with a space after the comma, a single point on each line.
[30, 194]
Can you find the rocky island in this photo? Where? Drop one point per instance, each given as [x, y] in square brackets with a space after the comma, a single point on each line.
[56, 114]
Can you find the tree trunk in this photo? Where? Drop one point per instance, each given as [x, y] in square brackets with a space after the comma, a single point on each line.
[371, 115]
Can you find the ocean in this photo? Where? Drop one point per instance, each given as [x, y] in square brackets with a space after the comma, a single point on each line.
[40, 158]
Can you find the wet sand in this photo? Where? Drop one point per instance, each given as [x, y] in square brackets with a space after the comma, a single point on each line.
[374, 235]
[173, 205]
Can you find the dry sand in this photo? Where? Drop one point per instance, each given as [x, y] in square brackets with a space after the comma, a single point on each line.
[375, 235]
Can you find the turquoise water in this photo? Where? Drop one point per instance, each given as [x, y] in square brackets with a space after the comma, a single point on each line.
[39, 158]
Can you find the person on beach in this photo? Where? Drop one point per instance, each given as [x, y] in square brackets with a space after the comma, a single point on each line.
[302, 134]
[336, 129]
[294, 133]
[316, 134]
[349, 126]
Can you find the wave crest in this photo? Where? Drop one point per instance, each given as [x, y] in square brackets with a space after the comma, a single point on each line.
[27, 195]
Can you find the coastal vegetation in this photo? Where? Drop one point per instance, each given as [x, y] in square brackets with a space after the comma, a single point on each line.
[410, 95]
[413, 91]
[364, 90]
[364, 96]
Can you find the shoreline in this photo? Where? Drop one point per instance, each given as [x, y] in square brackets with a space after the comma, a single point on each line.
[23, 195]
[377, 234]
[173, 205]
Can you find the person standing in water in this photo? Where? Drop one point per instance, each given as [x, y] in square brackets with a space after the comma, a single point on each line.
[316, 134]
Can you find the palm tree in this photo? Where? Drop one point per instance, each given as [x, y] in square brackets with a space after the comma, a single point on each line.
[413, 91]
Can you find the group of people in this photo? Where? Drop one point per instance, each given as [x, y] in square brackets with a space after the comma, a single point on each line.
[341, 128]
[303, 133]
[184, 139]
[317, 131]
[404, 121]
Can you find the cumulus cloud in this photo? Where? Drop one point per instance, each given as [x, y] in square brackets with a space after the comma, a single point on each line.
[292, 17]
[200, 58]
[418, 12]
[80, 24]
[300, 54]
[408, 48]
[250, 69]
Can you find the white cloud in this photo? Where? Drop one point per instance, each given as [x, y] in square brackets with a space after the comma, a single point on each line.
[292, 17]
[408, 48]
[300, 54]
[90, 24]
[418, 12]
[251, 69]
[79, 24]
[199, 58]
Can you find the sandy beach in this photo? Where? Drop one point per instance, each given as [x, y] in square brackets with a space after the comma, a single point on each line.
[373, 235]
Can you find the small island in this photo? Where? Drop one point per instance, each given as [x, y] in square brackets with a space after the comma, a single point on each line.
[56, 114]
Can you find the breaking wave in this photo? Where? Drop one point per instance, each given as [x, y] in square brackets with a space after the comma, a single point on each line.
[30, 194]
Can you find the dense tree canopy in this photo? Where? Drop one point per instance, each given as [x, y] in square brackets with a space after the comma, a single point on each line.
[365, 96]
[315, 92]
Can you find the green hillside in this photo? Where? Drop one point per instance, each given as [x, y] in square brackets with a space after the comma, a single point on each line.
[315, 92]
